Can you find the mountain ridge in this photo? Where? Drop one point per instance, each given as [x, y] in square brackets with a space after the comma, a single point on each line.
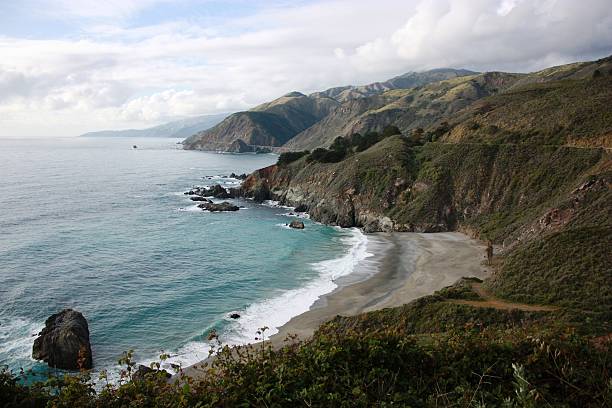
[174, 129]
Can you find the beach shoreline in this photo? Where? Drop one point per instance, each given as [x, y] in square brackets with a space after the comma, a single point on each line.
[403, 267]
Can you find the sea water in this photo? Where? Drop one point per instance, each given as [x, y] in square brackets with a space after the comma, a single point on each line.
[104, 228]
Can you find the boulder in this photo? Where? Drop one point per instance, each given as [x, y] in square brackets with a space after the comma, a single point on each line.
[212, 207]
[199, 198]
[64, 341]
[235, 316]
[143, 371]
[219, 192]
[297, 224]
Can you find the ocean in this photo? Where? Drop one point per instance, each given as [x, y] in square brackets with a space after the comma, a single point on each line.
[103, 228]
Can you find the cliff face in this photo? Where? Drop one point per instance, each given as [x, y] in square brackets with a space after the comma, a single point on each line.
[503, 192]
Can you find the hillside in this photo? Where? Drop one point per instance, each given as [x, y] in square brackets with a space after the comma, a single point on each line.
[270, 124]
[176, 129]
[404, 81]
[277, 122]
[406, 108]
[432, 106]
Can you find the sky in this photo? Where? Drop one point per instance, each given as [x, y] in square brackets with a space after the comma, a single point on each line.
[72, 66]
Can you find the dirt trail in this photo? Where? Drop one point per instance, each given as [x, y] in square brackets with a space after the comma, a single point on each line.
[491, 301]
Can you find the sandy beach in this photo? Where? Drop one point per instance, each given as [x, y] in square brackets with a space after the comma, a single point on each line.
[403, 267]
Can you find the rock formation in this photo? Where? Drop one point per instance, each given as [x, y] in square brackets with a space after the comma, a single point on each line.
[297, 224]
[64, 341]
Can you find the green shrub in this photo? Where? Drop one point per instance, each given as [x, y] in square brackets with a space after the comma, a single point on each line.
[290, 157]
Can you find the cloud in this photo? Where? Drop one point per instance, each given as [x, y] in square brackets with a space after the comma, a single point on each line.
[110, 74]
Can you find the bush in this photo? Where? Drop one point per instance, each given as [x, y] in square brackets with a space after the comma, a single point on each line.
[290, 157]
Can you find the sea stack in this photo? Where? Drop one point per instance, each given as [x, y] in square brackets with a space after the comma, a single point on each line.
[64, 341]
[297, 224]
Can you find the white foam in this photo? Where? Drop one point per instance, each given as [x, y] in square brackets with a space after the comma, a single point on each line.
[277, 311]
[17, 338]
[191, 208]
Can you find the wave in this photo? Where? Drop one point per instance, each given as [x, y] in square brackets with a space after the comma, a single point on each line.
[16, 340]
[277, 311]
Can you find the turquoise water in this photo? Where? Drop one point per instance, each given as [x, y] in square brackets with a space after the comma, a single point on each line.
[97, 226]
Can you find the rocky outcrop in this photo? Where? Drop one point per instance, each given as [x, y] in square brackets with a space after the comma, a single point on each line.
[301, 208]
[64, 341]
[296, 224]
[216, 191]
[239, 146]
[199, 198]
[224, 206]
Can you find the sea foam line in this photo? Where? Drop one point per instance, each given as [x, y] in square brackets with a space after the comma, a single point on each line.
[277, 311]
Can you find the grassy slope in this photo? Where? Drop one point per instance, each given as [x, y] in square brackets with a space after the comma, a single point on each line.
[574, 112]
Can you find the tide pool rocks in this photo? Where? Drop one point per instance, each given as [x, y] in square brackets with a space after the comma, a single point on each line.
[64, 341]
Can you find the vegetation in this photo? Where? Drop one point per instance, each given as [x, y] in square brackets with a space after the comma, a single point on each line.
[290, 157]
[342, 147]
[570, 268]
[427, 353]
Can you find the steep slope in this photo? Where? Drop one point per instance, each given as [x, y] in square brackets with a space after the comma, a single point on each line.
[270, 124]
[406, 108]
[572, 112]
[179, 128]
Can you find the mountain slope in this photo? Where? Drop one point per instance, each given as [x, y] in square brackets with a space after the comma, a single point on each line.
[404, 81]
[432, 105]
[270, 124]
[405, 108]
[176, 129]
[277, 122]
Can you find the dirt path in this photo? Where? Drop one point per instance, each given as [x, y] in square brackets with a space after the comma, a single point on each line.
[491, 301]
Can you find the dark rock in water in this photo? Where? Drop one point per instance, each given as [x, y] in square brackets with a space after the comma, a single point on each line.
[297, 224]
[239, 177]
[64, 341]
[216, 191]
[235, 316]
[219, 192]
[301, 208]
[143, 371]
[224, 206]
[199, 198]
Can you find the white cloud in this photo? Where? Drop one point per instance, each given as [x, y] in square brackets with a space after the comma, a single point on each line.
[114, 75]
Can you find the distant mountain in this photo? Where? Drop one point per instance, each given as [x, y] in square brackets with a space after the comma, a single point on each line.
[176, 129]
[269, 124]
[276, 123]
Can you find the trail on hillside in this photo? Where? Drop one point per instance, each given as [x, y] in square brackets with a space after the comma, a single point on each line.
[489, 300]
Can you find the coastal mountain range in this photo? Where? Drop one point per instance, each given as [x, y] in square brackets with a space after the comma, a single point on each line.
[410, 101]
[175, 129]
[275, 124]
